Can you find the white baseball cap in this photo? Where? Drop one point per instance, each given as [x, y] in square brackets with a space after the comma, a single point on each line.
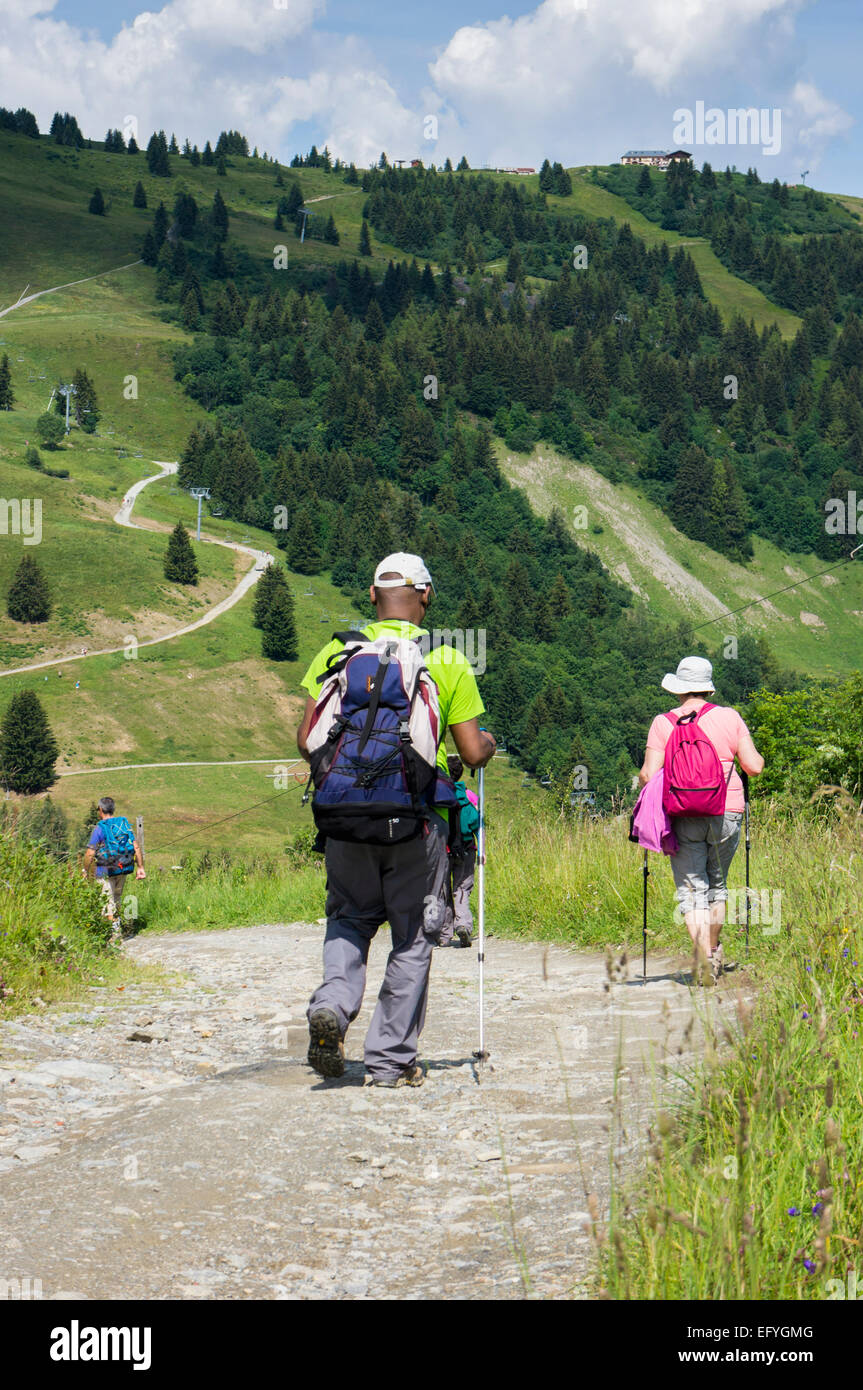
[410, 572]
[693, 673]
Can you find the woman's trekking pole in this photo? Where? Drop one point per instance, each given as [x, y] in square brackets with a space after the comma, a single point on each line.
[744, 777]
[481, 1055]
[644, 927]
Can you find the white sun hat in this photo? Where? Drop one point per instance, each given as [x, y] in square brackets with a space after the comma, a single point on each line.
[693, 673]
[410, 572]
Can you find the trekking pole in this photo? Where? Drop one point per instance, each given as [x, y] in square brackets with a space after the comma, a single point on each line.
[644, 927]
[481, 1055]
[744, 777]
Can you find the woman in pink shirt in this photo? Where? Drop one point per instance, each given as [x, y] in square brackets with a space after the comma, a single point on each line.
[706, 843]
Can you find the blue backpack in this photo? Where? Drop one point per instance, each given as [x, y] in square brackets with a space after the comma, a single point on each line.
[373, 742]
[116, 853]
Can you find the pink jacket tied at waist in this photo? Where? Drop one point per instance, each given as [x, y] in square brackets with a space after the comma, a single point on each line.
[651, 824]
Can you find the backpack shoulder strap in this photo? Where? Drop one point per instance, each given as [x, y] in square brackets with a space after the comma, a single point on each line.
[704, 709]
[668, 714]
[338, 658]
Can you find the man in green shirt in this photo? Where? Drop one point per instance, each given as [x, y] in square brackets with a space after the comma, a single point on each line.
[404, 883]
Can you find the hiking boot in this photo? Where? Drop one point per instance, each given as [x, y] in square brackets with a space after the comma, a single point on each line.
[411, 1076]
[717, 963]
[326, 1049]
[465, 936]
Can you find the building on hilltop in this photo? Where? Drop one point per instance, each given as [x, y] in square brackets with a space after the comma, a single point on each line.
[656, 159]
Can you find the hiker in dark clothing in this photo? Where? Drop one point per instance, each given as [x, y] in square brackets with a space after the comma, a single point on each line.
[402, 883]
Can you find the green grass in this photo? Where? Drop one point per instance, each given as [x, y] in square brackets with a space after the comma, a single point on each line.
[753, 1187]
[54, 941]
[641, 547]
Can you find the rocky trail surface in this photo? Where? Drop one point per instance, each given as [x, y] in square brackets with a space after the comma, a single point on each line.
[170, 1141]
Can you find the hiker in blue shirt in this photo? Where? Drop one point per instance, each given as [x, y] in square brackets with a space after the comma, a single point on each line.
[462, 861]
[111, 852]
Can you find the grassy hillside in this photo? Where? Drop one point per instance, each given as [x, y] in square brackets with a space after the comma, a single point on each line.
[209, 696]
[816, 626]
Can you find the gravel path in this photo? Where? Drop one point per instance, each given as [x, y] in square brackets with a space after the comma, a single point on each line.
[169, 1141]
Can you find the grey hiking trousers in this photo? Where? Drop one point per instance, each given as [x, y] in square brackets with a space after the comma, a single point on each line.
[458, 890]
[366, 886]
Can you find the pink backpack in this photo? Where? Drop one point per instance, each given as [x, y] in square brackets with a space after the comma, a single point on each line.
[693, 783]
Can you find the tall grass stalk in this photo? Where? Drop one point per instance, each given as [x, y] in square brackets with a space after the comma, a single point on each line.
[754, 1184]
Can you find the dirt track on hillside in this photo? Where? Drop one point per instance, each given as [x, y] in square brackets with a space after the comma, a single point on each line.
[204, 1159]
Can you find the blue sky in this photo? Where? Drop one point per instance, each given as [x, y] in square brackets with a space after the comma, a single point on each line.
[577, 80]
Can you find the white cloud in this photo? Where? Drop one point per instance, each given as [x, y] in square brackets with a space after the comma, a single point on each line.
[818, 120]
[194, 66]
[581, 80]
[578, 80]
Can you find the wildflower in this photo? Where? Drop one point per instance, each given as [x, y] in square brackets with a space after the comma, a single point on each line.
[805, 1014]
[793, 1211]
[809, 1266]
[818, 1208]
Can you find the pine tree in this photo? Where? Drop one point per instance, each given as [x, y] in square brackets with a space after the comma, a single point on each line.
[272, 576]
[208, 157]
[689, 503]
[29, 598]
[303, 550]
[644, 187]
[559, 601]
[221, 169]
[365, 241]
[239, 474]
[97, 203]
[279, 640]
[376, 329]
[7, 395]
[28, 748]
[181, 567]
[191, 314]
[139, 197]
[157, 156]
[219, 217]
[85, 403]
[301, 372]
[160, 226]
